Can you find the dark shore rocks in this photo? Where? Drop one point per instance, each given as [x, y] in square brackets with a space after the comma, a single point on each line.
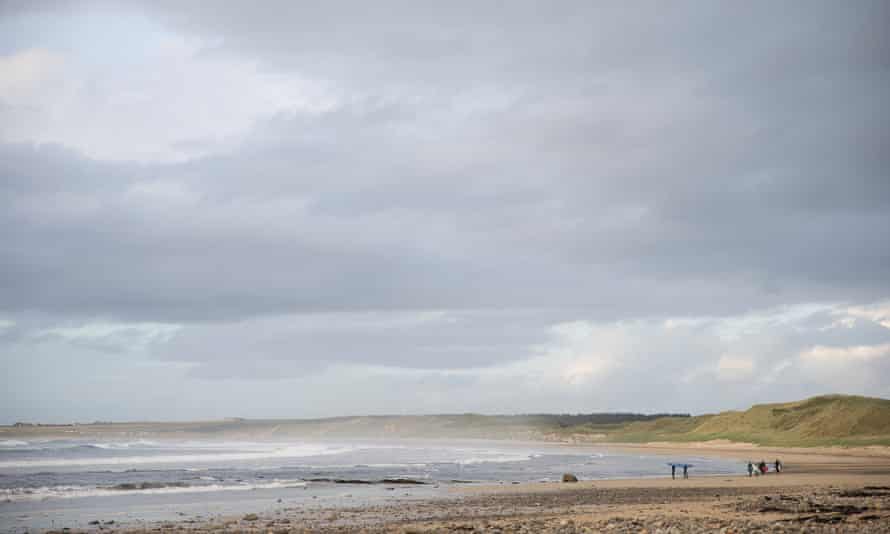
[568, 477]
[132, 486]
[402, 481]
[363, 481]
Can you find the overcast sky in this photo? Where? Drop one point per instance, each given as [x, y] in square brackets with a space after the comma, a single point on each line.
[294, 209]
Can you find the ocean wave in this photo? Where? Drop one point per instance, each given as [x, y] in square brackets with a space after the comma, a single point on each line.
[505, 458]
[132, 486]
[142, 488]
[293, 451]
[63, 445]
[387, 480]
[118, 445]
[405, 465]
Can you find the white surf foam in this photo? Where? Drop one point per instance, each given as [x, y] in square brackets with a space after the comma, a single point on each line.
[117, 445]
[501, 458]
[184, 457]
[73, 492]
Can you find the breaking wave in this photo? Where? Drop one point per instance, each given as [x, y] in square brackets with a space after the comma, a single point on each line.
[181, 458]
[504, 458]
[142, 488]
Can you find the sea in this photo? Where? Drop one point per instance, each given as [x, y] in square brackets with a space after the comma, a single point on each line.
[56, 483]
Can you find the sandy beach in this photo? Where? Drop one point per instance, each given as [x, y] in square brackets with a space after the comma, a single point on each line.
[821, 490]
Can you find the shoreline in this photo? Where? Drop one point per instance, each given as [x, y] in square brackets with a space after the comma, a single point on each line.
[819, 490]
[739, 450]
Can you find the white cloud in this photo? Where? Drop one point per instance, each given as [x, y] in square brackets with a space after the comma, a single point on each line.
[775, 372]
[677, 323]
[579, 353]
[174, 103]
[738, 327]
[734, 368]
[113, 335]
[25, 71]
[162, 194]
[842, 355]
[877, 313]
[583, 370]
[842, 322]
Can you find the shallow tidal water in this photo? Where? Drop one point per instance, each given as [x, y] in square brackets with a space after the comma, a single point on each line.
[69, 483]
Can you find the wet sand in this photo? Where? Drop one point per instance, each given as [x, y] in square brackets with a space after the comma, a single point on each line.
[821, 490]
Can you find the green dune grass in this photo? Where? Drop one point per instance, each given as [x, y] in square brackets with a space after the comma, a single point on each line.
[830, 420]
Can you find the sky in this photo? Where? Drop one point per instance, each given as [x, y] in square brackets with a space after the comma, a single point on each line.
[294, 209]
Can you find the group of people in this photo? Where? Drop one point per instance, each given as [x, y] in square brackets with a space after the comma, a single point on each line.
[762, 468]
[685, 468]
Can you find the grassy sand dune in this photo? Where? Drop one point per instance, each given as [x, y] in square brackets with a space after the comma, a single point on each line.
[831, 420]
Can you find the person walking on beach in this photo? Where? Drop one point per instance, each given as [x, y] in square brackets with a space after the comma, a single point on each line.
[685, 471]
[750, 469]
[778, 466]
[674, 471]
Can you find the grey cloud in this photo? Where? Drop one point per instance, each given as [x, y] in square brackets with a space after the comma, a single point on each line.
[300, 344]
[596, 162]
[297, 224]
